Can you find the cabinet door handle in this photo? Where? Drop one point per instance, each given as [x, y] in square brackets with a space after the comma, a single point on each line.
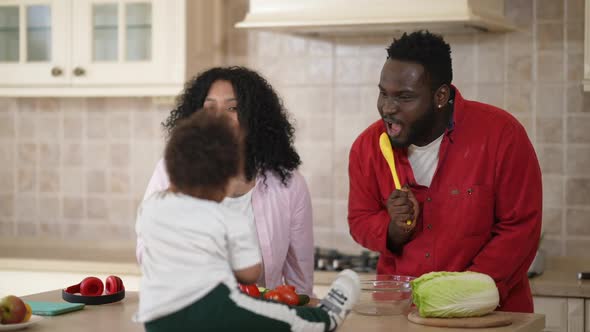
[79, 71]
[56, 71]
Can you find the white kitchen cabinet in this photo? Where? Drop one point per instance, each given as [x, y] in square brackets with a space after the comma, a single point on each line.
[587, 315]
[105, 47]
[562, 314]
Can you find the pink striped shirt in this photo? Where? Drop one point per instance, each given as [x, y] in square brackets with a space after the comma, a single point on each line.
[283, 218]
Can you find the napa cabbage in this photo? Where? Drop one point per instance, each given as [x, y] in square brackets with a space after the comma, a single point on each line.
[454, 294]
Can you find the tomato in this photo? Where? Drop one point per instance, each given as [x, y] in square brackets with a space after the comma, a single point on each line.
[288, 296]
[251, 290]
[272, 295]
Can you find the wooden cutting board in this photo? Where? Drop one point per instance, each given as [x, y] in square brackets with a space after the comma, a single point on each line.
[493, 319]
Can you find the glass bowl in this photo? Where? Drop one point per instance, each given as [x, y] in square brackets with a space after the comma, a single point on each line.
[384, 295]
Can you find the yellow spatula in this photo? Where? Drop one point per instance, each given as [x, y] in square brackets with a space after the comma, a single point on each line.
[387, 152]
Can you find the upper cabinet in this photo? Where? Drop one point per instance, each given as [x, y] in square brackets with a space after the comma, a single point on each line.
[105, 47]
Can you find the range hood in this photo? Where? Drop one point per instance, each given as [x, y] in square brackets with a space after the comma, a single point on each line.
[330, 17]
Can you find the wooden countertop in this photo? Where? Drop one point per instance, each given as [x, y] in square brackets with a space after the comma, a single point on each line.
[117, 317]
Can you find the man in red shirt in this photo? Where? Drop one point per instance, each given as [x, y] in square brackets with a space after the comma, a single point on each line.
[468, 195]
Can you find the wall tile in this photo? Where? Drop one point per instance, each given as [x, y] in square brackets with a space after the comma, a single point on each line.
[320, 186]
[145, 125]
[575, 67]
[519, 68]
[120, 182]
[577, 191]
[575, 98]
[96, 208]
[120, 155]
[578, 248]
[26, 124]
[26, 181]
[552, 246]
[347, 101]
[96, 125]
[7, 127]
[119, 125]
[552, 221]
[96, 155]
[492, 66]
[50, 230]
[575, 36]
[320, 47]
[49, 180]
[73, 207]
[121, 211]
[27, 229]
[315, 128]
[552, 190]
[7, 181]
[49, 209]
[550, 36]
[26, 207]
[96, 181]
[550, 67]
[550, 159]
[577, 222]
[7, 154]
[73, 126]
[7, 228]
[316, 159]
[550, 10]
[50, 154]
[49, 127]
[72, 181]
[518, 98]
[319, 70]
[73, 154]
[574, 10]
[348, 70]
[577, 129]
[293, 45]
[322, 213]
[48, 105]
[341, 186]
[492, 94]
[550, 99]
[27, 154]
[549, 130]
[7, 206]
[578, 160]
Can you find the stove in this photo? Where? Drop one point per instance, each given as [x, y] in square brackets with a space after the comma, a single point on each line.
[333, 260]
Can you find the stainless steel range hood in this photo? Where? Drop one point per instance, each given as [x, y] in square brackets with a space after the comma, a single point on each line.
[376, 16]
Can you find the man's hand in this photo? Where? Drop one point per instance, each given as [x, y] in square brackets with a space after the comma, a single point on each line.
[403, 210]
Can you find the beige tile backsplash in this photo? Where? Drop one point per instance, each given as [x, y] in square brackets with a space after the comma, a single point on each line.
[77, 167]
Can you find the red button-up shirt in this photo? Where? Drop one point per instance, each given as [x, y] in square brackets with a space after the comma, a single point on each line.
[482, 211]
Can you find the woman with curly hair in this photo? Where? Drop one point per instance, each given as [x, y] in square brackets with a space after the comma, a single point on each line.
[270, 191]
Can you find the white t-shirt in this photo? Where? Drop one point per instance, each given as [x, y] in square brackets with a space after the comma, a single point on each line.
[424, 160]
[190, 247]
[243, 205]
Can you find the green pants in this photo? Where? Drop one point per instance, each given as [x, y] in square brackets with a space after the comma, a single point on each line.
[223, 309]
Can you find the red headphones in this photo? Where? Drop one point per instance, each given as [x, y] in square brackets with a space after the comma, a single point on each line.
[91, 291]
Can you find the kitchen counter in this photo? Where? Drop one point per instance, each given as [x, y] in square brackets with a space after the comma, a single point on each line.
[559, 278]
[117, 317]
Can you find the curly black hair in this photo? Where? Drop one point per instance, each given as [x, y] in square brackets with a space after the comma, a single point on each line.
[428, 49]
[269, 134]
[202, 152]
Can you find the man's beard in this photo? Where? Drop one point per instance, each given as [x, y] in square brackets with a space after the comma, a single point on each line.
[419, 129]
